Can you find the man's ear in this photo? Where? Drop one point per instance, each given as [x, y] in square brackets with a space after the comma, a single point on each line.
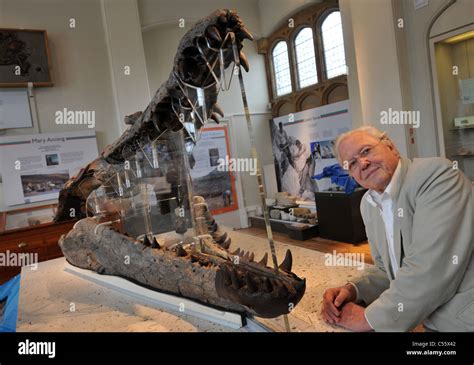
[391, 146]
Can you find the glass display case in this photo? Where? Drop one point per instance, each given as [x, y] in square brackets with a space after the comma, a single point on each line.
[27, 217]
[454, 92]
[149, 195]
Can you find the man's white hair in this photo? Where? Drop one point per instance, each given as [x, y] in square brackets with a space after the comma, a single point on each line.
[374, 132]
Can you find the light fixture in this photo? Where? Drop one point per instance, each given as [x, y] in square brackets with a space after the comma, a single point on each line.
[460, 37]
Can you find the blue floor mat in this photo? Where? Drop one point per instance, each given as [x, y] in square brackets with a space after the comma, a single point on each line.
[9, 292]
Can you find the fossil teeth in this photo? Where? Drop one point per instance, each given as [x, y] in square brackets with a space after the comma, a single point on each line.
[146, 241]
[234, 279]
[226, 243]
[247, 255]
[287, 262]
[210, 222]
[251, 256]
[215, 117]
[213, 33]
[155, 244]
[236, 252]
[243, 33]
[180, 251]
[264, 260]
[244, 61]
[216, 108]
[212, 227]
[221, 239]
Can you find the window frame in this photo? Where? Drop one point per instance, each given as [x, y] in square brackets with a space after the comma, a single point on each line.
[294, 34]
[319, 25]
[272, 48]
[311, 16]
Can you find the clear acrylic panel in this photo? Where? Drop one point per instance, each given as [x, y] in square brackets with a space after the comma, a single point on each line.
[149, 194]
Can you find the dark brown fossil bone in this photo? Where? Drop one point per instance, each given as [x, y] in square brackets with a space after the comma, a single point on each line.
[287, 262]
[248, 287]
[155, 244]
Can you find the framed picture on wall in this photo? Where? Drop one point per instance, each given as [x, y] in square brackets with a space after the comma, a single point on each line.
[24, 58]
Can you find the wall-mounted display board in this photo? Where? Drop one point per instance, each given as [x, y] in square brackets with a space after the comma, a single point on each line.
[302, 146]
[35, 167]
[15, 109]
[216, 184]
[24, 58]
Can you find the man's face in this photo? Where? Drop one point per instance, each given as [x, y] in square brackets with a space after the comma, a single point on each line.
[372, 170]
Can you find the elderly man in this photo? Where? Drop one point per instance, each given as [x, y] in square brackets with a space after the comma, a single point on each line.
[419, 218]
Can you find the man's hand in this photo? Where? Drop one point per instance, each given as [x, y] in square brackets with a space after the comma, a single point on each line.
[353, 318]
[333, 299]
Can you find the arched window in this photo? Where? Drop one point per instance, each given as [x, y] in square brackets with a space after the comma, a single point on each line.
[333, 45]
[305, 59]
[281, 69]
[305, 63]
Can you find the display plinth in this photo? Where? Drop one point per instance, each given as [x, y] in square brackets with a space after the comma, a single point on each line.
[167, 301]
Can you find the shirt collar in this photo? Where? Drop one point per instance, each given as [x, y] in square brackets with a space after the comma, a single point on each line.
[374, 198]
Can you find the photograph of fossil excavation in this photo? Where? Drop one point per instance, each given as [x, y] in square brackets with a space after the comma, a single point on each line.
[253, 172]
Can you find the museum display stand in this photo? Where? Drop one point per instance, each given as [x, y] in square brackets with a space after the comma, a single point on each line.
[295, 230]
